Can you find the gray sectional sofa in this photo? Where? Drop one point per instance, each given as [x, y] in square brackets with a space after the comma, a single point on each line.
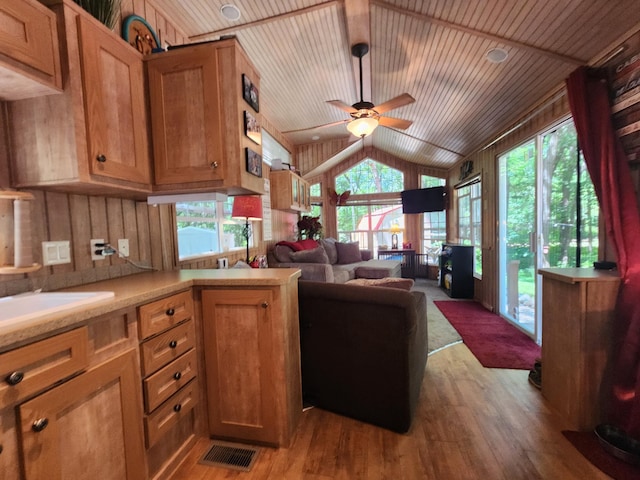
[330, 261]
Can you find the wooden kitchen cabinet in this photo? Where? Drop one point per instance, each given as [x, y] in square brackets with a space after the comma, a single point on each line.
[29, 56]
[252, 362]
[289, 191]
[197, 119]
[92, 138]
[86, 428]
[169, 366]
[578, 311]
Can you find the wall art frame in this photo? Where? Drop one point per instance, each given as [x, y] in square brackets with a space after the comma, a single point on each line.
[250, 93]
[254, 162]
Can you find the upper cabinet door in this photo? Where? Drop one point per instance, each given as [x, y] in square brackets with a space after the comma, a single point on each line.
[184, 93]
[113, 84]
[29, 56]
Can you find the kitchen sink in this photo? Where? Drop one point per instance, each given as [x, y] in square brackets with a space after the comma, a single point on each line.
[28, 306]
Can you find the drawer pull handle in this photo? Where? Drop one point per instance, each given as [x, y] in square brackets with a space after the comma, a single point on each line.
[214, 165]
[177, 407]
[40, 424]
[170, 312]
[14, 378]
[173, 344]
[177, 375]
[101, 158]
[264, 304]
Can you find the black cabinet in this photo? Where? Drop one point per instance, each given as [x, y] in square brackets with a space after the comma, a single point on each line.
[456, 270]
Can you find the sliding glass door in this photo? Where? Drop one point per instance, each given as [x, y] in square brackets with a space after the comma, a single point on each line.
[548, 217]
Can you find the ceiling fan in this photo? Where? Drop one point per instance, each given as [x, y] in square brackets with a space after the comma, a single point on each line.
[365, 116]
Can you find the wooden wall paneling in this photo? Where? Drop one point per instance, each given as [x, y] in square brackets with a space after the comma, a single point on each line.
[5, 177]
[143, 237]
[80, 231]
[99, 229]
[130, 221]
[115, 223]
[155, 235]
[169, 236]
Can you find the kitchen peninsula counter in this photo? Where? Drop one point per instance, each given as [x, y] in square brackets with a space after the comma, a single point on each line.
[135, 290]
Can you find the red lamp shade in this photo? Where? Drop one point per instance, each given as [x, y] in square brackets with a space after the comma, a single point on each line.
[247, 207]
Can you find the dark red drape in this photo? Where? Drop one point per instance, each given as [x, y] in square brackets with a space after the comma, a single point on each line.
[611, 176]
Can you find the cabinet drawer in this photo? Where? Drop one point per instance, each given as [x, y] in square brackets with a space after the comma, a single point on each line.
[166, 347]
[162, 314]
[168, 380]
[170, 412]
[32, 368]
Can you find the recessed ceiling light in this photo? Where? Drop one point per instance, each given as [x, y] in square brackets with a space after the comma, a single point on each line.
[230, 12]
[315, 137]
[497, 55]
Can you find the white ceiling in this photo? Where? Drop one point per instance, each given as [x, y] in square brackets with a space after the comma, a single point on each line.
[433, 50]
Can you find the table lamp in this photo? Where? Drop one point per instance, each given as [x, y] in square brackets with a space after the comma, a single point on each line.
[248, 208]
[395, 229]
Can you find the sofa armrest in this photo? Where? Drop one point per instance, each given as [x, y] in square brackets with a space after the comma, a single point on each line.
[366, 254]
[316, 272]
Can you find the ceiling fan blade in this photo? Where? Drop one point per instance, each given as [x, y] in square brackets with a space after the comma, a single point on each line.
[342, 106]
[395, 122]
[399, 101]
[332, 124]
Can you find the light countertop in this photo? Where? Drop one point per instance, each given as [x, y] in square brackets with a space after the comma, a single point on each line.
[139, 289]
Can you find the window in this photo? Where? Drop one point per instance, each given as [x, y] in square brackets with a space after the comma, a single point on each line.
[470, 220]
[434, 224]
[373, 207]
[206, 228]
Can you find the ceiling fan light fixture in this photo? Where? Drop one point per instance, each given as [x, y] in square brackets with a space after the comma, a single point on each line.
[363, 126]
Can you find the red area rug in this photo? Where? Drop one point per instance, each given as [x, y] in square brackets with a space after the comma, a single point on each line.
[588, 445]
[493, 341]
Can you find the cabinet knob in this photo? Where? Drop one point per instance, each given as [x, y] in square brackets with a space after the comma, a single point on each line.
[170, 312]
[177, 407]
[40, 424]
[101, 158]
[173, 344]
[177, 375]
[264, 304]
[214, 165]
[14, 378]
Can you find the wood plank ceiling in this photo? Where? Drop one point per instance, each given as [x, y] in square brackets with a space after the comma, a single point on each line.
[434, 50]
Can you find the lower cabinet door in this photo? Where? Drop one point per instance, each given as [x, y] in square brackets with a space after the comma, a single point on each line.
[87, 428]
[241, 365]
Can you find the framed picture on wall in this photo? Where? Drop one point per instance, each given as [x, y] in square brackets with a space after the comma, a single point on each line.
[252, 128]
[250, 93]
[254, 162]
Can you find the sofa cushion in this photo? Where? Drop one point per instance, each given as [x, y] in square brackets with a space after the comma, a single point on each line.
[348, 252]
[390, 282]
[329, 245]
[282, 253]
[317, 255]
[378, 269]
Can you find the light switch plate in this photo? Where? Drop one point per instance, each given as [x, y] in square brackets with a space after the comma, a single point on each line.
[56, 253]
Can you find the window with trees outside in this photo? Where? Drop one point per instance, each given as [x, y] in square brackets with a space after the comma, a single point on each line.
[206, 228]
[373, 207]
[470, 221]
[315, 195]
[434, 224]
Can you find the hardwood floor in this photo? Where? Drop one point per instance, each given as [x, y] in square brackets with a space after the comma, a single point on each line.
[472, 423]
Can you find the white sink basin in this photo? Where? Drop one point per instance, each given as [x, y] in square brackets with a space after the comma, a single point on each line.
[29, 306]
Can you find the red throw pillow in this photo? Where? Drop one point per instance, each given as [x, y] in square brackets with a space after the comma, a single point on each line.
[300, 245]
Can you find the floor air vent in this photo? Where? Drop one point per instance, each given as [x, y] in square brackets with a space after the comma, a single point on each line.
[230, 455]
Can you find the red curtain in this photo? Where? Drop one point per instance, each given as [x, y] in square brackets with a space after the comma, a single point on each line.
[611, 176]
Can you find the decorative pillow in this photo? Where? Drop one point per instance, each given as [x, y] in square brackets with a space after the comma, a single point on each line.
[306, 244]
[329, 245]
[348, 252]
[282, 253]
[390, 282]
[317, 255]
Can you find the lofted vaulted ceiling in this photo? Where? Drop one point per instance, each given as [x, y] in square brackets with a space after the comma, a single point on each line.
[434, 50]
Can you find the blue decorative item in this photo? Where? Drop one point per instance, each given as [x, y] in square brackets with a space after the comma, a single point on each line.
[139, 34]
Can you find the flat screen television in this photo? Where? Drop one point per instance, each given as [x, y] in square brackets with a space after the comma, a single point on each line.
[423, 200]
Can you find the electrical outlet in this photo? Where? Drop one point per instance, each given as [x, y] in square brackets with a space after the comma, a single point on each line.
[123, 247]
[94, 247]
